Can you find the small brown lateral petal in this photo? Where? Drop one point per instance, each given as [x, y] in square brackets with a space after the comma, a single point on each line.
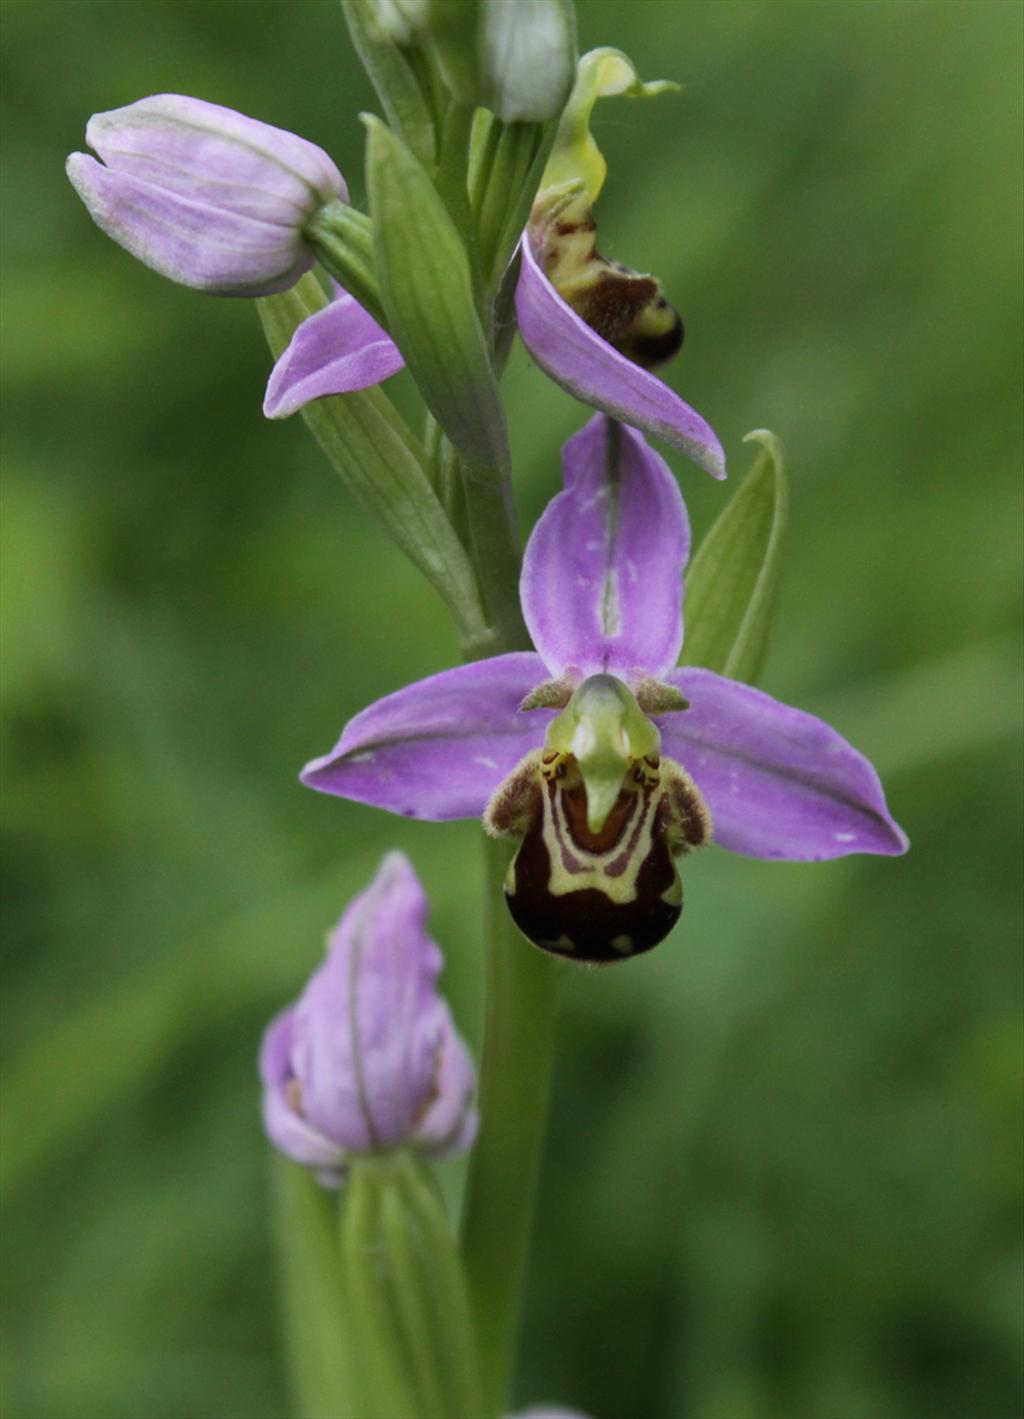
[551, 694]
[655, 697]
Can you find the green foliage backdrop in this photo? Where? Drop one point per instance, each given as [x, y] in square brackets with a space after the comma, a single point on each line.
[785, 1148]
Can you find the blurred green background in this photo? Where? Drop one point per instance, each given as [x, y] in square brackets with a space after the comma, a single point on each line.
[785, 1148]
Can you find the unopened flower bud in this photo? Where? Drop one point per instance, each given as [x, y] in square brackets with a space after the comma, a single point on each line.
[548, 1411]
[368, 1059]
[528, 58]
[204, 195]
[515, 57]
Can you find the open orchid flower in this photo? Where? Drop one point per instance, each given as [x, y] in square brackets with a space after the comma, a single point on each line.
[596, 751]
[369, 1059]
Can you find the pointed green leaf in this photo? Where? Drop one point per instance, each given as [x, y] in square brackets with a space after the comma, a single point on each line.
[426, 287]
[504, 187]
[393, 74]
[404, 1282]
[323, 1357]
[384, 466]
[730, 588]
[451, 30]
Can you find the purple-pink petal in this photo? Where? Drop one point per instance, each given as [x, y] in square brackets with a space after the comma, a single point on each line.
[186, 241]
[779, 782]
[450, 1122]
[366, 1031]
[438, 748]
[285, 1126]
[547, 1411]
[208, 153]
[336, 351]
[590, 369]
[602, 582]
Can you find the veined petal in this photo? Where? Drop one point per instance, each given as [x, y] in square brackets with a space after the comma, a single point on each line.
[450, 1122]
[366, 1032]
[336, 351]
[212, 154]
[437, 749]
[585, 365]
[602, 582]
[187, 241]
[206, 196]
[779, 782]
[286, 1128]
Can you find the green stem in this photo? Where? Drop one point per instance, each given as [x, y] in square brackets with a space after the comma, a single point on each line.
[494, 541]
[514, 1082]
[413, 1304]
[452, 184]
[343, 239]
[369, 1287]
[323, 1358]
[441, 1274]
[519, 1012]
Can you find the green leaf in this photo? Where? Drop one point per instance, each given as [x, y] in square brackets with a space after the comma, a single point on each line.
[451, 31]
[384, 466]
[730, 589]
[320, 1342]
[404, 1283]
[509, 173]
[393, 75]
[426, 286]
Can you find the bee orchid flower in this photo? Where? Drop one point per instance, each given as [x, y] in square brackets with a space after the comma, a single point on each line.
[224, 203]
[601, 755]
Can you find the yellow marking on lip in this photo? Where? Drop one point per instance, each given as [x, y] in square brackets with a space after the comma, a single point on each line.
[592, 871]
